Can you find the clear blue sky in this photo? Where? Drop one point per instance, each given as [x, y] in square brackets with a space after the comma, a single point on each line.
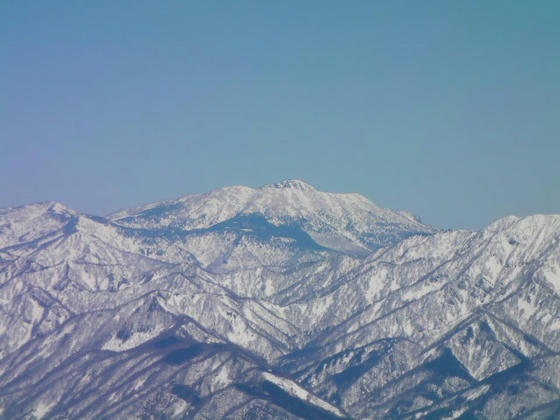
[449, 109]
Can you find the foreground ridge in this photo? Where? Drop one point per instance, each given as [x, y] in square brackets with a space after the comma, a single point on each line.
[277, 302]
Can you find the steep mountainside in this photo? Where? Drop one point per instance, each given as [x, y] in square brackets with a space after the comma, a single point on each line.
[277, 302]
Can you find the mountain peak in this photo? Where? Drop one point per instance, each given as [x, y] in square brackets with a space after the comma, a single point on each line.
[348, 223]
[294, 184]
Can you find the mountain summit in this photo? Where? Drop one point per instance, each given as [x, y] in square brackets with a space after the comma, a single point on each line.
[296, 184]
[344, 222]
[276, 302]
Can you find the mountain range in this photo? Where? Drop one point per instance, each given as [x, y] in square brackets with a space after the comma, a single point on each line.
[276, 302]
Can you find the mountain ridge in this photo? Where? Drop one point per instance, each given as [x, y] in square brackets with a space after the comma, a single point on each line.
[249, 316]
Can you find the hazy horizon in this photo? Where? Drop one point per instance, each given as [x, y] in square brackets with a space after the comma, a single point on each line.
[447, 110]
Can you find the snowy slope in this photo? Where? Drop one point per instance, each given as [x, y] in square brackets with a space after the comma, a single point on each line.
[277, 302]
[345, 222]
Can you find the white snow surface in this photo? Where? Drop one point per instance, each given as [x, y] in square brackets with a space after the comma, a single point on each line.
[333, 220]
[297, 391]
[162, 311]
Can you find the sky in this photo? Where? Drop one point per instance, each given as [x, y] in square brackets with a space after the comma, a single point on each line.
[447, 109]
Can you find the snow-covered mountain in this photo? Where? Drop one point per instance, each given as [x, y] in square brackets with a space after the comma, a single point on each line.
[344, 222]
[277, 302]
